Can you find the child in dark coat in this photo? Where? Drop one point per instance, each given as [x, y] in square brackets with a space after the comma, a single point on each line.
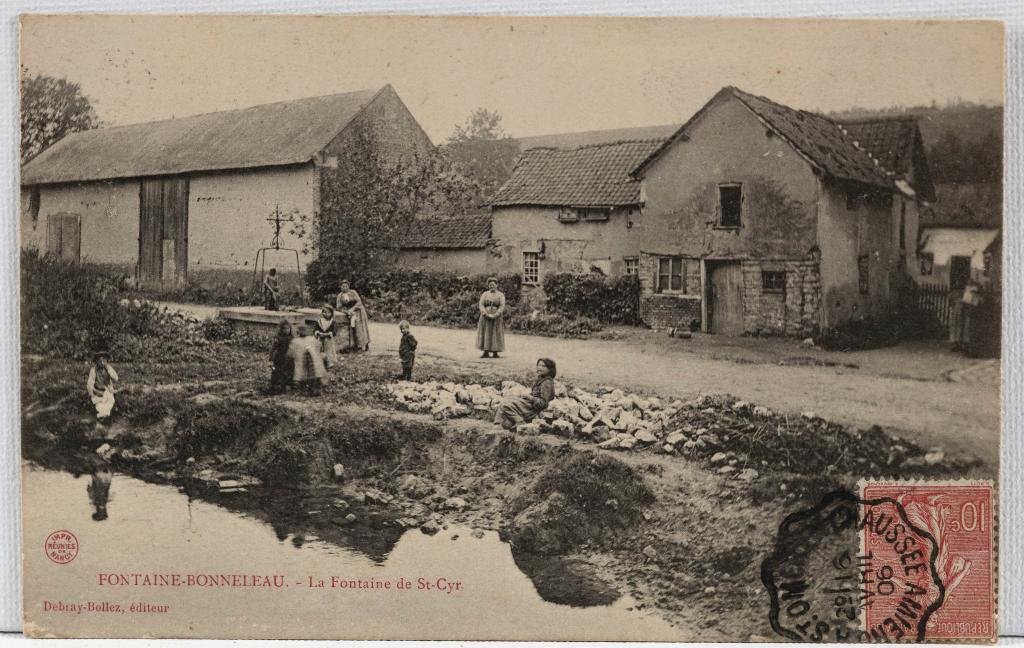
[283, 365]
[406, 350]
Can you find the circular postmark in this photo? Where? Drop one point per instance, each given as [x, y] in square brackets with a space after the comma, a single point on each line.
[61, 546]
[852, 569]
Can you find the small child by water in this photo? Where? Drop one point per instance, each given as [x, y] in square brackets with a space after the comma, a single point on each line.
[309, 371]
[282, 363]
[324, 331]
[100, 384]
[406, 350]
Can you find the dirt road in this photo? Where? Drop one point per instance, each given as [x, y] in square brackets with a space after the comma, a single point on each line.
[962, 415]
[932, 397]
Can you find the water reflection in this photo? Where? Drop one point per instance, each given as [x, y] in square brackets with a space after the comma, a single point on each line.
[504, 596]
[99, 492]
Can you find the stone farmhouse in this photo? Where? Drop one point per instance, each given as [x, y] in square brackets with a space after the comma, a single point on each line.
[763, 219]
[187, 199]
[571, 210]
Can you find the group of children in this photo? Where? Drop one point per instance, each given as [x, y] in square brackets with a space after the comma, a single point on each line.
[303, 360]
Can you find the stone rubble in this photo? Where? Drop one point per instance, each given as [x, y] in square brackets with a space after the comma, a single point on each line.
[738, 438]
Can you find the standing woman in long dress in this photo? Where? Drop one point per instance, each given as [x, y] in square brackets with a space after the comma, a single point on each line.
[490, 328]
[349, 302]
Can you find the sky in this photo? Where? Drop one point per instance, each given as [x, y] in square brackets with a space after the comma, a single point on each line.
[543, 75]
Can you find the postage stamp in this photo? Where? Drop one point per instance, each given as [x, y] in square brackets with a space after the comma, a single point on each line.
[897, 561]
[958, 518]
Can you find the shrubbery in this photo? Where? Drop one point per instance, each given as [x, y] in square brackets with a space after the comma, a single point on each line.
[217, 425]
[71, 309]
[417, 295]
[573, 305]
[609, 301]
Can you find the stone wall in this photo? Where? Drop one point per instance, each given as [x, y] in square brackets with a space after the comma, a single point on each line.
[568, 246]
[793, 311]
[664, 310]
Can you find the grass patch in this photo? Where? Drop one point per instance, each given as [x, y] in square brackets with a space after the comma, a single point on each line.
[218, 425]
[599, 485]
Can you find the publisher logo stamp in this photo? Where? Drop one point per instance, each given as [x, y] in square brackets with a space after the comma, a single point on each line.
[61, 546]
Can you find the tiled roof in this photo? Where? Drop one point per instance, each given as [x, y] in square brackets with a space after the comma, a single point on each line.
[819, 139]
[287, 132]
[589, 176]
[452, 232]
[891, 140]
[897, 144]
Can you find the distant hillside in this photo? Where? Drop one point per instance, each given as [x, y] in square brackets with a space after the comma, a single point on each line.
[588, 138]
[964, 142]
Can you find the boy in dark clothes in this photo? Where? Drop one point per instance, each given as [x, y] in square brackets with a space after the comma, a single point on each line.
[406, 350]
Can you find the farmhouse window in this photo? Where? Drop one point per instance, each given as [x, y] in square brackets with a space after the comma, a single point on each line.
[33, 205]
[852, 201]
[568, 215]
[927, 261]
[632, 265]
[773, 281]
[670, 274]
[862, 274]
[593, 214]
[531, 268]
[730, 199]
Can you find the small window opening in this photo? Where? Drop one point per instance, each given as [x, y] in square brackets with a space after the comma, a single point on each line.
[730, 197]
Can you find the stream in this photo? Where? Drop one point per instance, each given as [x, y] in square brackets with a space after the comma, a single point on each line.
[463, 584]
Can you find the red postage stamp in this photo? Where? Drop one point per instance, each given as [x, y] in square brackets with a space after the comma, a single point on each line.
[954, 522]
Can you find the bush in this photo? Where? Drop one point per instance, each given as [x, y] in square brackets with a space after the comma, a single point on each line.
[598, 484]
[216, 329]
[553, 324]
[610, 301]
[875, 333]
[70, 309]
[378, 438]
[281, 459]
[214, 426]
[443, 298]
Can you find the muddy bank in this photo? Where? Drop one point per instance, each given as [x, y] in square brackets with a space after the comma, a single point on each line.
[682, 536]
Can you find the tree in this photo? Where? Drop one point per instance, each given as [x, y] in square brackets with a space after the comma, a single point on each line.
[481, 149]
[367, 205]
[51, 108]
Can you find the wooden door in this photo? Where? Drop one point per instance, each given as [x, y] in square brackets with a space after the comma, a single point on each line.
[175, 231]
[959, 272]
[725, 298]
[163, 232]
[64, 236]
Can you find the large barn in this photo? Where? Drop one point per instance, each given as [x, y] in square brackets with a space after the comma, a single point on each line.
[185, 200]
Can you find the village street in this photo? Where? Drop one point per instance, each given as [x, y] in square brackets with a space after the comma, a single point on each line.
[934, 397]
[884, 391]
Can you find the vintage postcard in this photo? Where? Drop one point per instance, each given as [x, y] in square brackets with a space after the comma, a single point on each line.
[509, 328]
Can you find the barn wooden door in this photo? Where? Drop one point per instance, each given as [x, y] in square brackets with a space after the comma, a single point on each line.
[725, 298]
[64, 236]
[163, 232]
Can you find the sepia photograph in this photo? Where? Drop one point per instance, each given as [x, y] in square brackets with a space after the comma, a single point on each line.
[510, 328]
